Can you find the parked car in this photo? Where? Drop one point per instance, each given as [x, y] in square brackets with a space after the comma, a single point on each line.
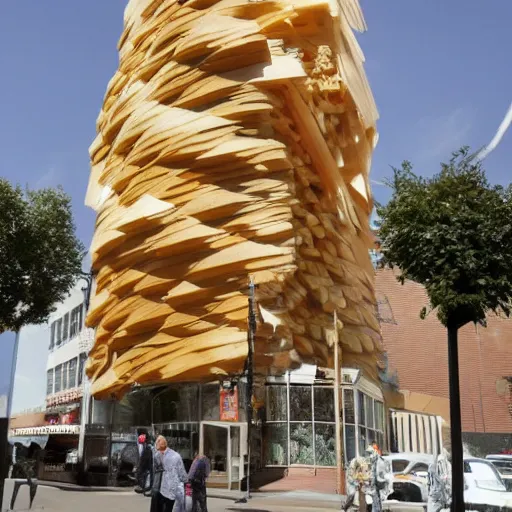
[484, 489]
[410, 476]
[503, 463]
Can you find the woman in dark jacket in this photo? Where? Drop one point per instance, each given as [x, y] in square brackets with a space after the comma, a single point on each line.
[197, 476]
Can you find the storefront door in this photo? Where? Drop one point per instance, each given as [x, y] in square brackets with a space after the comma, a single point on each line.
[221, 443]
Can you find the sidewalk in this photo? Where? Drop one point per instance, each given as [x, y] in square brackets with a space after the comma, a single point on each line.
[223, 494]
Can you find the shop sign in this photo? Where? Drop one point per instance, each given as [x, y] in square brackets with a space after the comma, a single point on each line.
[55, 468]
[229, 404]
[46, 430]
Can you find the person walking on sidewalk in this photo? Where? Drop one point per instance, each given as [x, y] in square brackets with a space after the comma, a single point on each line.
[145, 465]
[169, 477]
[198, 474]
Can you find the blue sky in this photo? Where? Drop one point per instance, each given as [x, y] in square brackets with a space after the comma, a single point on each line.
[439, 70]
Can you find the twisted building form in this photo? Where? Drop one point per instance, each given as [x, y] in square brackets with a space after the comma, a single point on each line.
[235, 140]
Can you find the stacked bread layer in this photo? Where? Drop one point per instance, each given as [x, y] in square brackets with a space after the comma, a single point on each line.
[234, 142]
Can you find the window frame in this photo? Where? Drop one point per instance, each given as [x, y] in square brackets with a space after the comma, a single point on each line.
[55, 390]
[376, 431]
[65, 327]
[58, 332]
[49, 391]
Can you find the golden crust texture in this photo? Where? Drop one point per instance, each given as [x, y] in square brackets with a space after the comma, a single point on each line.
[235, 140]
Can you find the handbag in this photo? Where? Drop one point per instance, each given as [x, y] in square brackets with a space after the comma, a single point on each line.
[158, 471]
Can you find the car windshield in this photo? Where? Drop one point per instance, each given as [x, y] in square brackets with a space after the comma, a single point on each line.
[485, 475]
[503, 466]
[399, 465]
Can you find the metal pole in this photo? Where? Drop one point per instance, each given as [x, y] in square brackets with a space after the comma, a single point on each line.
[250, 375]
[455, 420]
[249, 372]
[112, 407]
[86, 401]
[4, 425]
[337, 410]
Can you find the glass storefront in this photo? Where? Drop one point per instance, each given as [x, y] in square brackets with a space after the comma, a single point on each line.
[300, 423]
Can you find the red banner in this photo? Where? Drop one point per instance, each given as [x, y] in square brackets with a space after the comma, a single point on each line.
[229, 404]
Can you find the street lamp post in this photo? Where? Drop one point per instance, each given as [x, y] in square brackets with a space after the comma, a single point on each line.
[85, 408]
[249, 372]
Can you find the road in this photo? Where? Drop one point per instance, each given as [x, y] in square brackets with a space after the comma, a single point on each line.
[49, 499]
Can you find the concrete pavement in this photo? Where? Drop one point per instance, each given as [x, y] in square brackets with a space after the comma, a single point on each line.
[51, 499]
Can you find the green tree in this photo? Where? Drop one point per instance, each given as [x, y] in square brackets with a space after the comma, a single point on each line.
[40, 255]
[452, 233]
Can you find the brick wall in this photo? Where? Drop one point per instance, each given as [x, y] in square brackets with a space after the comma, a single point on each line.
[417, 351]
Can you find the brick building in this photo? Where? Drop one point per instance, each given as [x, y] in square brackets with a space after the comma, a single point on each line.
[417, 351]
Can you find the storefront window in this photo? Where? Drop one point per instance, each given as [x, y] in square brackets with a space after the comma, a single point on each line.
[350, 442]
[277, 403]
[300, 403]
[210, 399]
[362, 412]
[308, 436]
[348, 406]
[276, 444]
[325, 444]
[371, 421]
[324, 403]
[301, 443]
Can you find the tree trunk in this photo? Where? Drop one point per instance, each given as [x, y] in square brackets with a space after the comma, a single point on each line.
[4, 456]
[455, 420]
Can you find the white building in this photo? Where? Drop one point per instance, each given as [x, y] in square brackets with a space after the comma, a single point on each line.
[48, 386]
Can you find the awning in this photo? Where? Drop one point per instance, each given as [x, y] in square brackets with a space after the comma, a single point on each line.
[27, 440]
[46, 430]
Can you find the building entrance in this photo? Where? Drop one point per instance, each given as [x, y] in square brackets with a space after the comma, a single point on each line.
[225, 445]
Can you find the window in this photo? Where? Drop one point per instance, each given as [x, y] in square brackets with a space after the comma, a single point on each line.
[277, 440]
[300, 403]
[420, 468]
[324, 404]
[400, 465]
[76, 321]
[58, 331]
[58, 379]
[49, 382]
[370, 421]
[65, 381]
[210, 399]
[301, 424]
[72, 373]
[65, 327]
[52, 335]
[277, 403]
[81, 367]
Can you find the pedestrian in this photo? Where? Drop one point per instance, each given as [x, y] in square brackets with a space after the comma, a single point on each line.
[169, 477]
[144, 465]
[197, 476]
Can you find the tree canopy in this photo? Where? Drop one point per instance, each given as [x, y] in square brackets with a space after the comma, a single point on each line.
[452, 233]
[40, 255]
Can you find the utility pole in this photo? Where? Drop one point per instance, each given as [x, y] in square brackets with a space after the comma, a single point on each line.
[337, 407]
[249, 372]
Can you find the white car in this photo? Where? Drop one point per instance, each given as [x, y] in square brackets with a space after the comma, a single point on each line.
[484, 489]
[503, 463]
[410, 476]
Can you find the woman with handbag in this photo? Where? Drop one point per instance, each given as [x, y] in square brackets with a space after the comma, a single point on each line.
[169, 477]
